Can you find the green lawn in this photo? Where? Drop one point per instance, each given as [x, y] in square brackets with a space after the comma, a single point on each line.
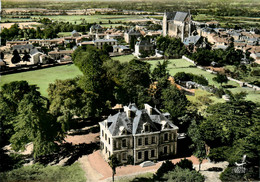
[123, 59]
[43, 77]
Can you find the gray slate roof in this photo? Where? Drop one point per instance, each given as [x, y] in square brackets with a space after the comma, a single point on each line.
[134, 124]
[177, 16]
[180, 16]
[191, 40]
[26, 46]
[34, 51]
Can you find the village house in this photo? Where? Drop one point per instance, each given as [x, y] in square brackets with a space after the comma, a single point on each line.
[74, 33]
[10, 44]
[192, 43]
[143, 46]
[177, 24]
[136, 134]
[121, 49]
[58, 55]
[132, 33]
[37, 57]
[21, 49]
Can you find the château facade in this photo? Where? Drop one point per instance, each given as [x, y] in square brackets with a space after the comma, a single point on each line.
[141, 135]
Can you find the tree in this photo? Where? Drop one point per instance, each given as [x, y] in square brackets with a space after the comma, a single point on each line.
[185, 164]
[26, 57]
[107, 48]
[25, 119]
[67, 99]
[34, 124]
[186, 175]
[161, 71]
[174, 101]
[113, 163]
[220, 78]
[95, 83]
[16, 57]
[198, 142]
[135, 80]
[164, 169]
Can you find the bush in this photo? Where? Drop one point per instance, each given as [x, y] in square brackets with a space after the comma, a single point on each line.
[185, 164]
[186, 175]
[182, 76]
[165, 168]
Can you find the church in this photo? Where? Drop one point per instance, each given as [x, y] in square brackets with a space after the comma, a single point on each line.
[177, 24]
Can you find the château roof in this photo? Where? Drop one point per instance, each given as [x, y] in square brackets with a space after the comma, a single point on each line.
[133, 120]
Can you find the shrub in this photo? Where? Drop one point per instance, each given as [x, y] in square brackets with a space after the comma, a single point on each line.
[185, 164]
[186, 175]
[182, 76]
[165, 168]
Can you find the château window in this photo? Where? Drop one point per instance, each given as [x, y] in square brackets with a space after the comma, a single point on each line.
[165, 136]
[108, 140]
[139, 155]
[152, 153]
[124, 156]
[105, 136]
[165, 150]
[153, 140]
[139, 141]
[146, 141]
[102, 133]
[124, 143]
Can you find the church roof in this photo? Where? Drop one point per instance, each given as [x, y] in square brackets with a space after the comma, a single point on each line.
[177, 16]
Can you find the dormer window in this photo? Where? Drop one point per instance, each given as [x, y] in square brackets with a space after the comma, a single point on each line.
[146, 127]
[123, 131]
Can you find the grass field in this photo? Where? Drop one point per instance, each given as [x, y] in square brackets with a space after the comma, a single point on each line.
[43, 77]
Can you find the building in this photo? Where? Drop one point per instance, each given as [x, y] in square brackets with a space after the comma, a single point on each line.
[74, 33]
[177, 24]
[58, 55]
[21, 49]
[36, 57]
[139, 135]
[121, 49]
[143, 46]
[132, 33]
[194, 42]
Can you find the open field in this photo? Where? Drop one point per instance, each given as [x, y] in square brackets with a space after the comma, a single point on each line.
[43, 77]
[21, 25]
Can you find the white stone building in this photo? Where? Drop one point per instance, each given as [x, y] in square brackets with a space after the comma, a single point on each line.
[139, 135]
